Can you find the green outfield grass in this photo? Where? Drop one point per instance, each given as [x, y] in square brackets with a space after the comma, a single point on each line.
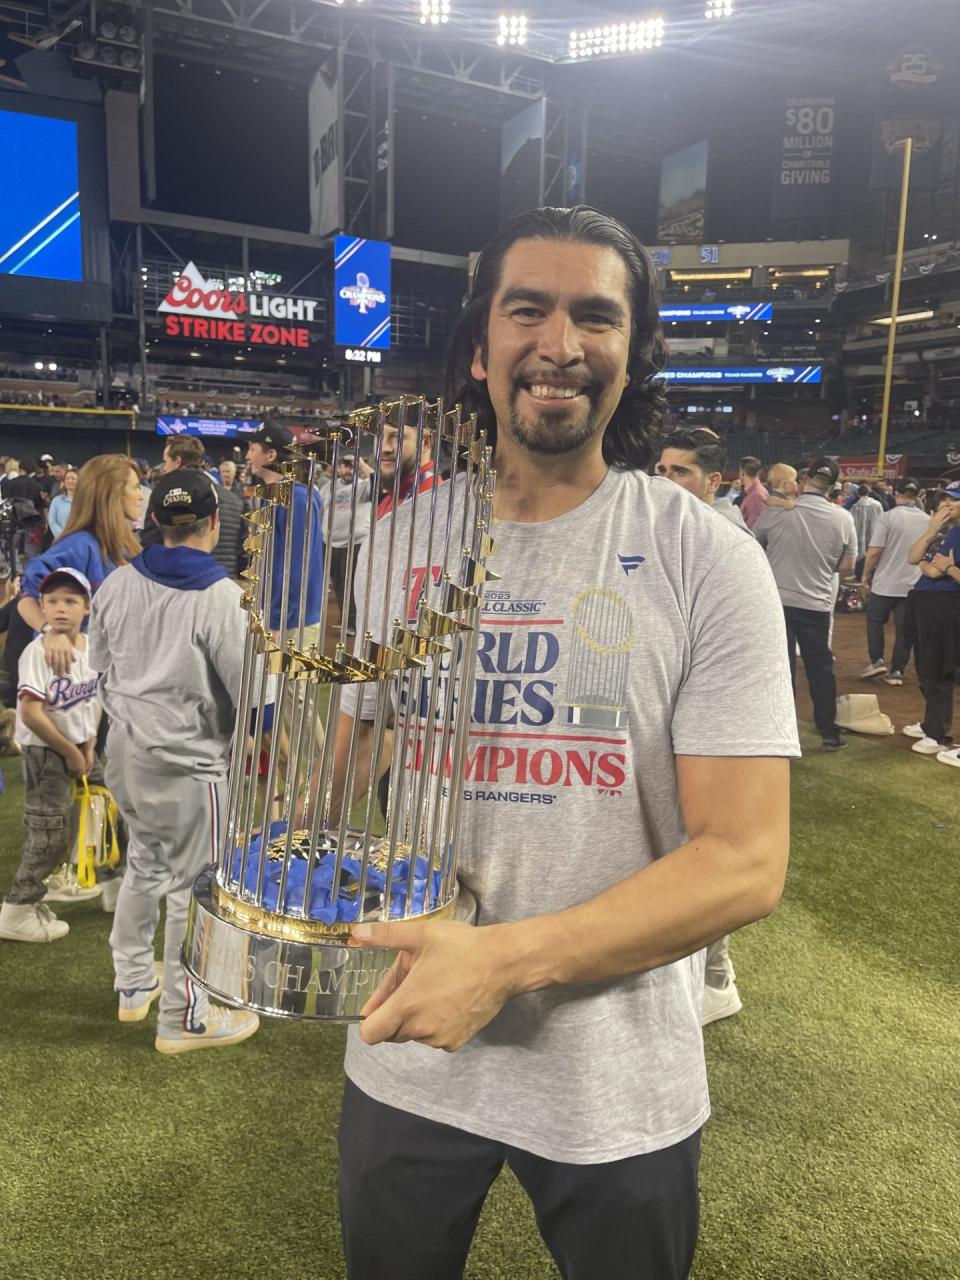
[833, 1152]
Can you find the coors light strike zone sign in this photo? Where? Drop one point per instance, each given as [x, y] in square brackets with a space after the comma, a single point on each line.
[196, 308]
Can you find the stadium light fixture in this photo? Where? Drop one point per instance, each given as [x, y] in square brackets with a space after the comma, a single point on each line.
[618, 37]
[719, 9]
[38, 365]
[434, 12]
[906, 317]
[512, 28]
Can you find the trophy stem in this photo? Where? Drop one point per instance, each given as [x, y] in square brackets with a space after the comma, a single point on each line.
[250, 790]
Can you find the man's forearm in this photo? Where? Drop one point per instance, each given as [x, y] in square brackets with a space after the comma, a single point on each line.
[30, 611]
[870, 564]
[669, 910]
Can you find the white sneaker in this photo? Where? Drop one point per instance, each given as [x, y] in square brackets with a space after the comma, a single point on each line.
[30, 922]
[63, 886]
[895, 677]
[222, 1027]
[134, 1003]
[951, 756]
[719, 1002]
[873, 669]
[913, 731]
[927, 747]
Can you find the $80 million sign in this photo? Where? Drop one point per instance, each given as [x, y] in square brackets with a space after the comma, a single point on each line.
[270, 923]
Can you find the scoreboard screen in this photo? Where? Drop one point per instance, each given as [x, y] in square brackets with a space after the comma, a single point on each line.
[40, 227]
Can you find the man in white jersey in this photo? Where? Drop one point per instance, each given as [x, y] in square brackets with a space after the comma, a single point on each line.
[609, 823]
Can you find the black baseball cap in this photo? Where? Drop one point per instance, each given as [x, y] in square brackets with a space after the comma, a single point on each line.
[908, 485]
[824, 468]
[272, 436]
[182, 496]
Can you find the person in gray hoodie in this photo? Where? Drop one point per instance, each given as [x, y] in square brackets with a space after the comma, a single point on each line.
[167, 638]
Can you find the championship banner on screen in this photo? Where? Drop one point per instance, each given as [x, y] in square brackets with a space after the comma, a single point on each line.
[757, 374]
[717, 311]
[910, 106]
[683, 195]
[804, 186]
[361, 286]
[205, 426]
[199, 308]
[323, 123]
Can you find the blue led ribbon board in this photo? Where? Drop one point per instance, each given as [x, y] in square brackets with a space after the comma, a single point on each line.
[778, 373]
[205, 426]
[692, 312]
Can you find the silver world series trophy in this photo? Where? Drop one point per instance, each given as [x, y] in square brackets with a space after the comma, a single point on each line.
[269, 923]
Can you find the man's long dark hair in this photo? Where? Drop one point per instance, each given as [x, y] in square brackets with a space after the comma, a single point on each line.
[632, 433]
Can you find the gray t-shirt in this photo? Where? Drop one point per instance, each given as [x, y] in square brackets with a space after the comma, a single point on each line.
[865, 512]
[805, 547]
[343, 503]
[731, 513]
[632, 629]
[896, 531]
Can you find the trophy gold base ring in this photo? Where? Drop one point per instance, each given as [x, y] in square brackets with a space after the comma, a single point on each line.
[313, 978]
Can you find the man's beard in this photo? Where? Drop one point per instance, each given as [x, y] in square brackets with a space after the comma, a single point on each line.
[553, 434]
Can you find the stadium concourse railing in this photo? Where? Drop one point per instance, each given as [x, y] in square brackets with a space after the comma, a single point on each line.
[48, 415]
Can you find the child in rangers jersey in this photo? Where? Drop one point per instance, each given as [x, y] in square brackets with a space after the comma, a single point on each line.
[57, 731]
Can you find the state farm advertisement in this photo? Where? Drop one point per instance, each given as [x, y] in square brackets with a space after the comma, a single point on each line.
[894, 467]
[199, 309]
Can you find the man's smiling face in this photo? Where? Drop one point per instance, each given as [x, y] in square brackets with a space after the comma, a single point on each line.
[557, 343]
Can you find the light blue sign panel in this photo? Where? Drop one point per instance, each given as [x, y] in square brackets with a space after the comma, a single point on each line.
[779, 373]
[361, 284]
[709, 311]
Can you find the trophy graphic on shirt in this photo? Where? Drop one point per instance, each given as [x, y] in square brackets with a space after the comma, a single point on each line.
[304, 852]
[603, 634]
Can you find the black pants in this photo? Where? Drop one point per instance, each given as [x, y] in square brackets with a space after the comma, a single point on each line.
[879, 609]
[411, 1191]
[810, 629]
[341, 577]
[937, 720]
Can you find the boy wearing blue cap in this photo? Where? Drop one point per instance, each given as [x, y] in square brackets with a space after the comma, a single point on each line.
[57, 730]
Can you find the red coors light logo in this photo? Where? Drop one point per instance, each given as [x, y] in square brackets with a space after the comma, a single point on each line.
[195, 309]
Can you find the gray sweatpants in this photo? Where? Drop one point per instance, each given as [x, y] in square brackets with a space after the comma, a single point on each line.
[49, 816]
[719, 968]
[174, 824]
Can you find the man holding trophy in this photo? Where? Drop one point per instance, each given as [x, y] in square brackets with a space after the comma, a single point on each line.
[617, 747]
